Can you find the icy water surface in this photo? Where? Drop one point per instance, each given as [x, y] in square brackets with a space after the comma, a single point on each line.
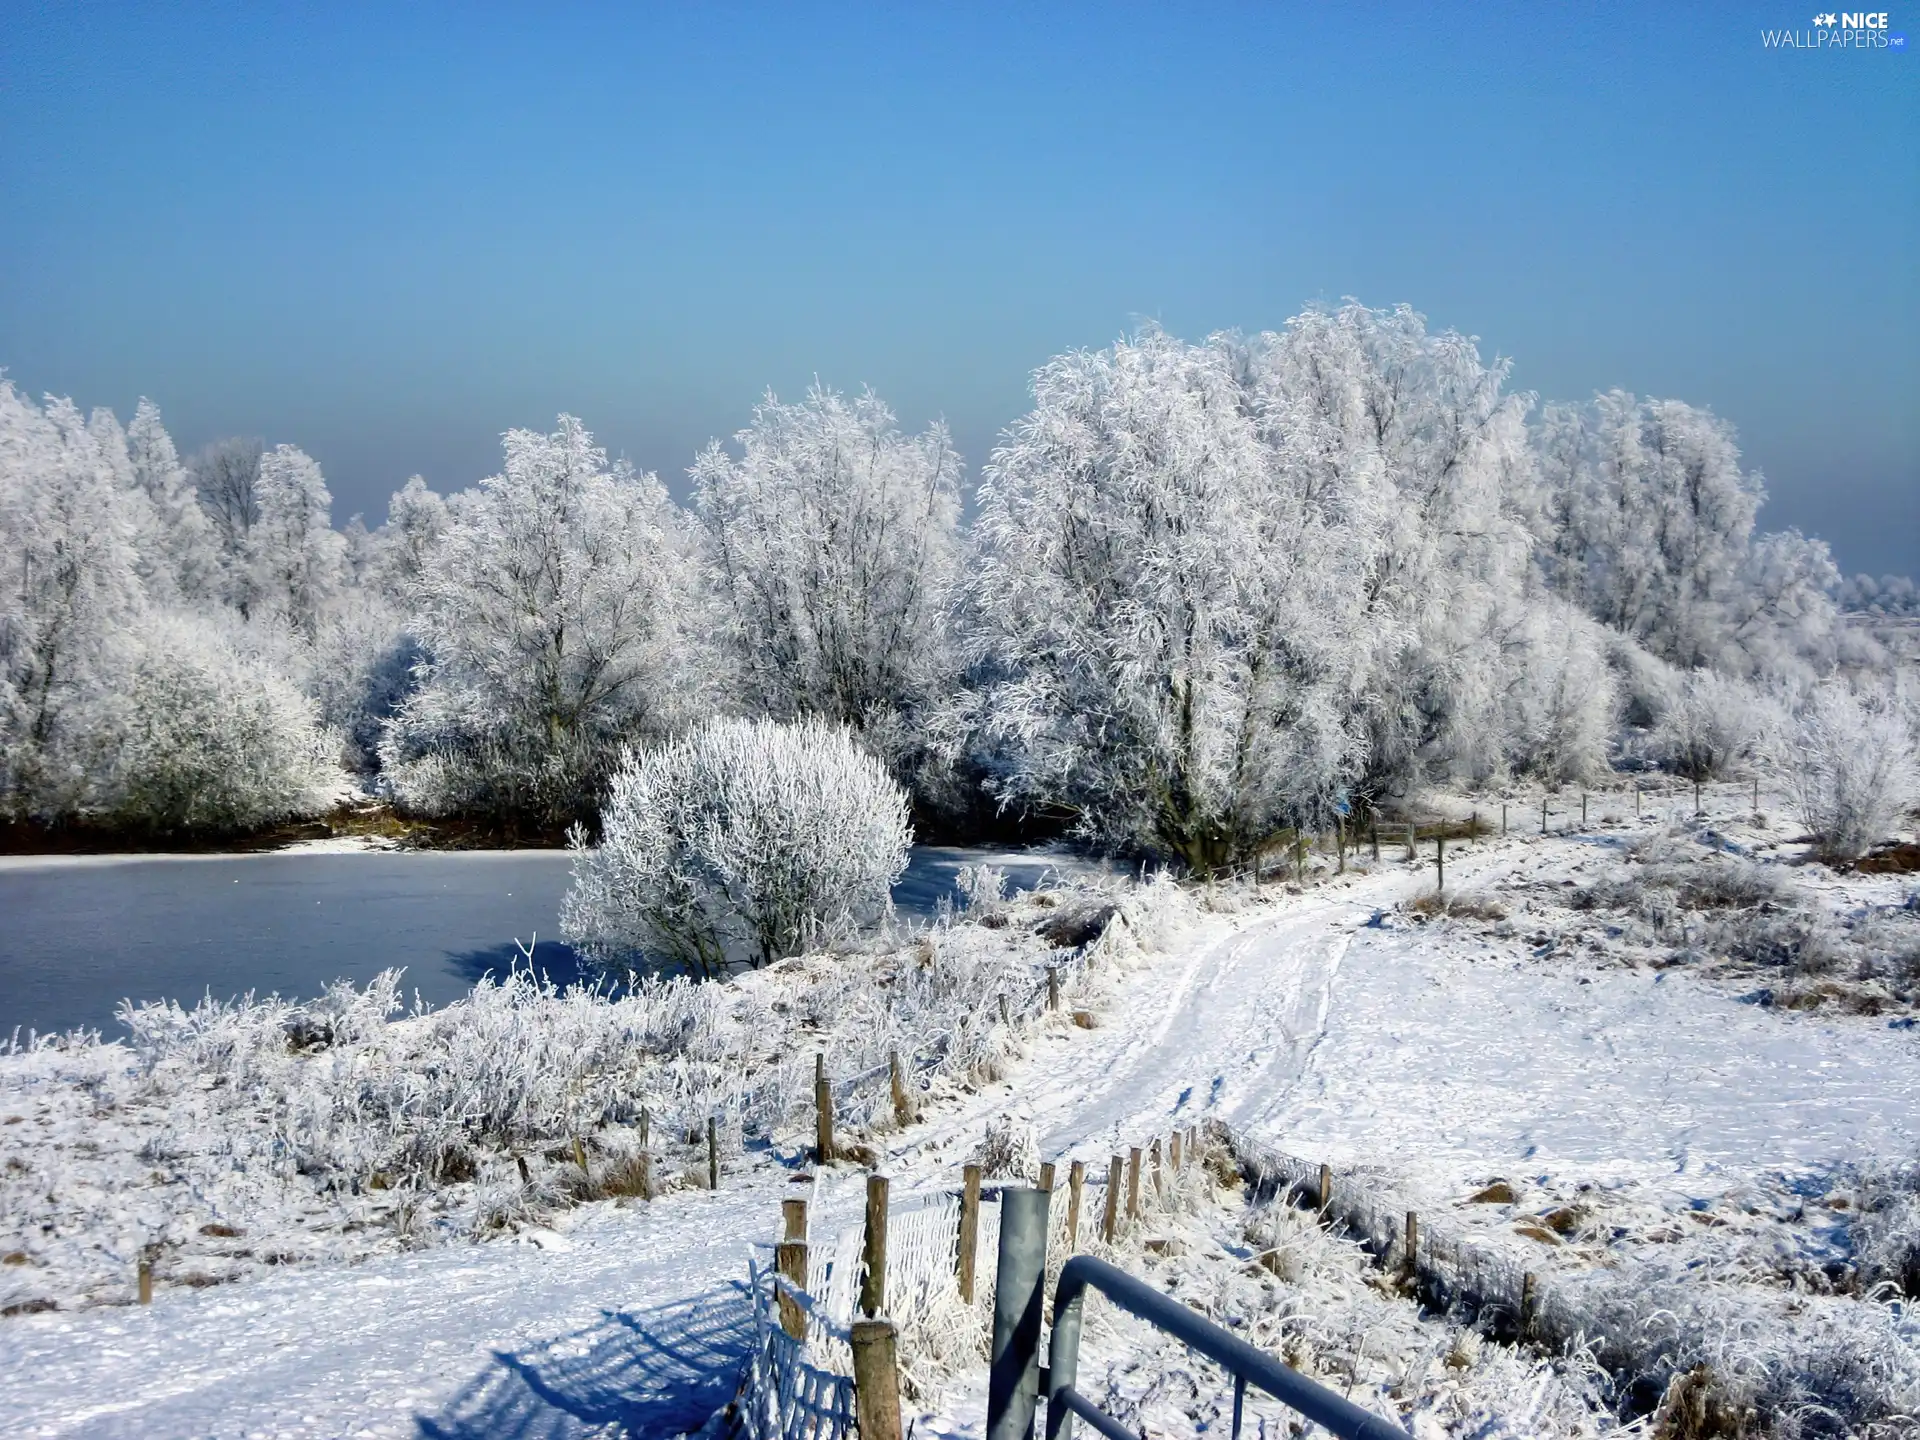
[78, 935]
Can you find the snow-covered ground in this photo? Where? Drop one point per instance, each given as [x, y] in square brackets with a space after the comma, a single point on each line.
[1445, 1054]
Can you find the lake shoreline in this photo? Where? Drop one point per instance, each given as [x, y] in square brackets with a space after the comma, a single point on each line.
[351, 827]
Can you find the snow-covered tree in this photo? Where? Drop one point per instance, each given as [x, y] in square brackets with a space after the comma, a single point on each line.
[832, 537]
[295, 554]
[1166, 607]
[739, 842]
[185, 542]
[1646, 519]
[416, 519]
[215, 740]
[1849, 763]
[69, 591]
[551, 613]
[226, 477]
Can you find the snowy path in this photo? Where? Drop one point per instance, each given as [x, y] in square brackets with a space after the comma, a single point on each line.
[1425, 1052]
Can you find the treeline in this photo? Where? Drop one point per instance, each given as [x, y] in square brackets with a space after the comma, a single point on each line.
[1208, 591]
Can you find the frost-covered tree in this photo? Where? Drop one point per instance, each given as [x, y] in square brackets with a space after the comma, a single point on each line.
[226, 477]
[215, 740]
[416, 519]
[1645, 519]
[832, 538]
[739, 842]
[295, 555]
[1849, 763]
[185, 547]
[1445, 581]
[69, 591]
[1166, 607]
[551, 613]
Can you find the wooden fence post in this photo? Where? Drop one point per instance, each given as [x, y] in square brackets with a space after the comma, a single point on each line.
[1636, 799]
[1503, 817]
[902, 1105]
[1473, 827]
[713, 1153]
[790, 1259]
[1006, 1022]
[1046, 1176]
[1412, 1261]
[1340, 840]
[823, 1111]
[1110, 1222]
[1583, 809]
[1373, 835]
[1526, 1305]
[146, 1280]
[1756, 794]
[1325, 1197]
[873, 1249]
[1543, 814]
[1076, 1182]
[1440, 862]
[646, 1157]
[1053, 987]
[969, 1229]
[793, 1219]
[1173, 1152]
[876, 1380]
[1410, 840]
[1133, 1184]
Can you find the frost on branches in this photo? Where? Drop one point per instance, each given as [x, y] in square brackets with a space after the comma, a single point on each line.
[550, 614]
[741, 842]
[833, 540]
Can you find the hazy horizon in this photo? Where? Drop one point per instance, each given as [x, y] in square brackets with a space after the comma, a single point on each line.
[388, 239]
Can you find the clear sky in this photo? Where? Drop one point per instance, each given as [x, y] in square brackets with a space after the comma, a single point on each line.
[388, 233]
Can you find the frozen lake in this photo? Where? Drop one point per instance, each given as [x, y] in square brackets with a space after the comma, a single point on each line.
[81, 933]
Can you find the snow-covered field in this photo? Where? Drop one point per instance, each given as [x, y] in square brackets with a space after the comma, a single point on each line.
[1649, 1121]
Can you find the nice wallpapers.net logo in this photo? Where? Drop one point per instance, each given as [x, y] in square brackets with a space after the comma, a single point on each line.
[1841, 30]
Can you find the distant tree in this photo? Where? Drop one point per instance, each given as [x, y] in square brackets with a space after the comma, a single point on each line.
[296, 556]
[226, 477]
[416, 519]
[833, 538]
[739, 843]
[186, 543]
[550, 612]
[1646, 520]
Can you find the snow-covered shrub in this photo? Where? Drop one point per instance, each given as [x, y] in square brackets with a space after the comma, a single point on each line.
[551, 612]
[1849, 764]
[1886, 1234]
[739, 842]
[1713, 726]
[833, 543]
[214, 740]
[1009, 1149]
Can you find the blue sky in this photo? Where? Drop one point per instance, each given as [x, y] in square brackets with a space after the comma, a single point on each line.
[389, 233]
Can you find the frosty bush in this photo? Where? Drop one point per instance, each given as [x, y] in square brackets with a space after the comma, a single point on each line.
[741, 842]
[1712, 726]
[1849, 766]
[217, 741]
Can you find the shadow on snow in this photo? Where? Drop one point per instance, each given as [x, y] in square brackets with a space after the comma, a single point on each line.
[661, 1372]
